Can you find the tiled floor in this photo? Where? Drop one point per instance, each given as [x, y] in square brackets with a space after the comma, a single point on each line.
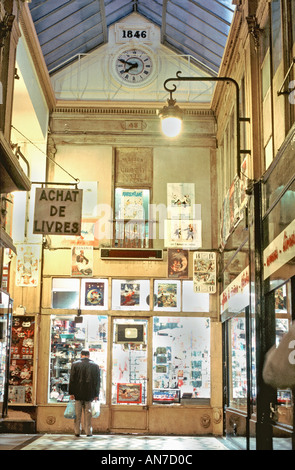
[130, 442]
[105, 442]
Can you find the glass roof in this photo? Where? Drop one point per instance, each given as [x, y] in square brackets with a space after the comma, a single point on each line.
[67, 28]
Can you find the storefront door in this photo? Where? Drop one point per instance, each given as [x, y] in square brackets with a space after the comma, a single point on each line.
[5, 344]
[129, 384]
[282, 408]
[237, 379]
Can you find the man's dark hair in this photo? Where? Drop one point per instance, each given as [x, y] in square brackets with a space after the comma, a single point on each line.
[84, 352]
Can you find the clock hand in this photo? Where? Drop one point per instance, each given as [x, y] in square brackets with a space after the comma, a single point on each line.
[132, 66]
[124, 61]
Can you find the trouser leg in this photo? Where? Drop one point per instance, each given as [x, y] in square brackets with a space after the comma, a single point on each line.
[77, 420]
[87, 418]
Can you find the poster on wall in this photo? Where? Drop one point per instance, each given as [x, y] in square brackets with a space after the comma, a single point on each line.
[177, 263]
[180, 200]
[130, 294]
[183, 233]
[132, 205]
[204, 272]
[129, 393]
[94, 294]
[82, 261]
[167, 295]
[27, 266]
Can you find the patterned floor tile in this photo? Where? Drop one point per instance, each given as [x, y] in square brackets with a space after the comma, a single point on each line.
[118, 442]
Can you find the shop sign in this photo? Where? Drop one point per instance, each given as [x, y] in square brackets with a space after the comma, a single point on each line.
[236, 296]
[280, 251]
[58, 211]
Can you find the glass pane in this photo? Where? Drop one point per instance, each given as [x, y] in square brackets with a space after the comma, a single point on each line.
[237, 363]
[21, 370]
[181, 359]
[284, 413]
[193, 301]
[3, 353]
[129, 374]
[68, 338]
[65, 293]
[132, 217]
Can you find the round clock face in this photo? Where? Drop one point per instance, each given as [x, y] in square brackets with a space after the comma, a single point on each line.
[134, 66]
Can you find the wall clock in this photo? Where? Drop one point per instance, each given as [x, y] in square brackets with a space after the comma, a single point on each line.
[134, 67]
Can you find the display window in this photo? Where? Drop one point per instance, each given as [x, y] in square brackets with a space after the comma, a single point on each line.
[87, 294]
[129, 359]
[282, 295]
[181, 359]
[21, 369]
[3, 348]
[65, 293]
[5, 338]
[194, 301]
[69, 335]
[238, 362]
[132, 217]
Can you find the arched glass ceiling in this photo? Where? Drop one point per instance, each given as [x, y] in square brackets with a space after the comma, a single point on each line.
[66, 28]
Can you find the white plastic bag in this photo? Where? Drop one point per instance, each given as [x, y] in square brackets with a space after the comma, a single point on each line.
[70, 412]
[95, 409]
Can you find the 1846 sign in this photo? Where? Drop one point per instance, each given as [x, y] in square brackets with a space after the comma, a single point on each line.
[58, 211]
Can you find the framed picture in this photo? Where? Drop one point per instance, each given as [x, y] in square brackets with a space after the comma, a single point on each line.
[204, 272]
[167, 294]
[183, 233]
[82, 261]
[177, 263]
[94, 294]
[129, 393]
[130, 294]
[180, 200]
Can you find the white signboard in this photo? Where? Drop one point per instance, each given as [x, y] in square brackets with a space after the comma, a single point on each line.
[58, 211]
[279, 251]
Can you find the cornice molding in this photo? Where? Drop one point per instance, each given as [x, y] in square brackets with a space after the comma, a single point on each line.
[143, 111]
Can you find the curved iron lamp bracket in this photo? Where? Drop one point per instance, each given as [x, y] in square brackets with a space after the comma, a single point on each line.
[179, 78]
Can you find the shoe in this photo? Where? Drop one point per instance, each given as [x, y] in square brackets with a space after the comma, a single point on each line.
[89, 435]
[77, 435]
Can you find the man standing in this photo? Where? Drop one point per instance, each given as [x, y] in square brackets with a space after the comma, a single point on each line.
[84, 388]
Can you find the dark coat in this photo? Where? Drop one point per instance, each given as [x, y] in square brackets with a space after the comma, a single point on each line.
[84, 380]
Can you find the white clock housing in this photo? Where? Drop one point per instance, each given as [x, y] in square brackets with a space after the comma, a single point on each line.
[134, 66]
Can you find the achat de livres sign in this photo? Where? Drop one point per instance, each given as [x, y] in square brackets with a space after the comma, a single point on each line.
[58, 211]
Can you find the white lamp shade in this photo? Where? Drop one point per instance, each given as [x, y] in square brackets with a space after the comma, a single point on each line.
[171, 126]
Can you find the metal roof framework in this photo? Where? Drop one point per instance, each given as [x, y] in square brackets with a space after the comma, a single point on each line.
[67, 28]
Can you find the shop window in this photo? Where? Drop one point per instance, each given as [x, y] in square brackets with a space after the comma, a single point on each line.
[87, 293]
[65, 293]
[132, 226]
[237, 363]
[21, 369]
[181, 360]
[193, 301]
[68, 338]
[284, 409]
[129, 373]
